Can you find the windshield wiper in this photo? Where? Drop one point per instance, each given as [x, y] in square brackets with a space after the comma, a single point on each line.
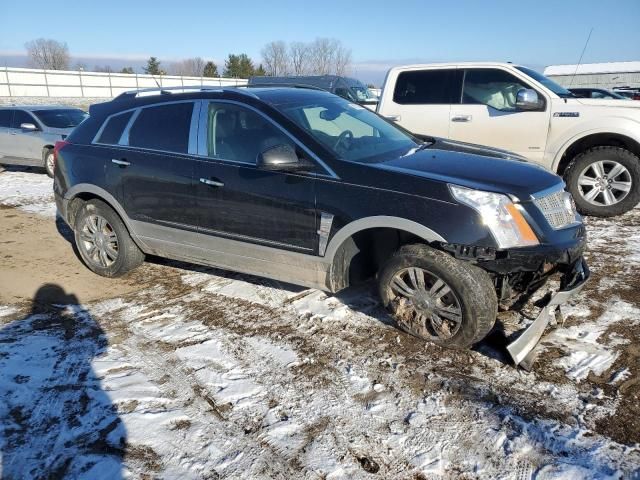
[424, 145]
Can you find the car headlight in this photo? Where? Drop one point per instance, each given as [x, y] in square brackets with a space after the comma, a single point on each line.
[500, 215]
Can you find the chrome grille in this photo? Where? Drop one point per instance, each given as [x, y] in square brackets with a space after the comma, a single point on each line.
[558, 208]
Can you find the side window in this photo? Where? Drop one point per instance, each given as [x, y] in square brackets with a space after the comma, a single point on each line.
[20, 117]
[492, 87]
[428, 87]
[113, 129]
[239, 134]
[165, 127]
[5, 118]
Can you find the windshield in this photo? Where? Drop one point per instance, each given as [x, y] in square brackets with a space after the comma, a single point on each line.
[62, 118]
[547, 82]
[350, 131]
[363, 94]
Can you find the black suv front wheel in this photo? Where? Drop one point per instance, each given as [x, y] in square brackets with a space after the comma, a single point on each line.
[104, 242]
[438, 298]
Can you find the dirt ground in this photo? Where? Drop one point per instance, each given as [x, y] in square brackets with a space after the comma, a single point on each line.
[180, 371]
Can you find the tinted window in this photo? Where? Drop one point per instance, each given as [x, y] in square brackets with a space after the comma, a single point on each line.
[427, 87]
[239, 134]
[62, 118]
[492, 87]
[547, 82]
[165, 127]
[5, 118]
[114, 127]
[20, 117]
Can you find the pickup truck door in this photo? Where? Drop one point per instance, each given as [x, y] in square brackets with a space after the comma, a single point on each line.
[421, 100]
[487, 114]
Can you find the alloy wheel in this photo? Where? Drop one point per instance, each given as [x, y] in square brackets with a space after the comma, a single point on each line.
[99, 241]
[604, 183]
[425, 304]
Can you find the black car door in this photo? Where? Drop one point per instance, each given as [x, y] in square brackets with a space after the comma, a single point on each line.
[154, 167]
[239, 201]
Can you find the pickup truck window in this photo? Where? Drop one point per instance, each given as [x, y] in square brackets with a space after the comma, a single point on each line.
[428, 87]
[492, 87]
[547, 82]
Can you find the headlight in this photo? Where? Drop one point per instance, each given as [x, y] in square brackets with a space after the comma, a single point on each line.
[503, 218]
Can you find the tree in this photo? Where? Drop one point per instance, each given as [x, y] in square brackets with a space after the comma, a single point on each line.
[153, 67]
[276, 58]
[127, 70]
[341, 59]
[260, 71]
[210, 70]
[47, 53]
[190, 67]
[299, 56]
[80, 66]
[103, 68]
[238, 66]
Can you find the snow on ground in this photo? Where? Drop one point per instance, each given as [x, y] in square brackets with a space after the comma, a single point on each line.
[210, 374]
[30, 192]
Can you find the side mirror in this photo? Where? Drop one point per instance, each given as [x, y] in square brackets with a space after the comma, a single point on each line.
[527, 99]
[28, 127]
[281, 157]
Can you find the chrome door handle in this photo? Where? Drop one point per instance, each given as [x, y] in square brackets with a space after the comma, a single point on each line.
[122, 163]
[461, 118]
[393, 118]
[213, 183]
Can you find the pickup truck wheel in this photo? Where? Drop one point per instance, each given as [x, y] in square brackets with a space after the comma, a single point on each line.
[103, 241]
[438, 298]
[604, 181]
[48, 160]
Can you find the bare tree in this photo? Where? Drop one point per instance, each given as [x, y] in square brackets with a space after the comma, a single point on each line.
[275, 58]
[103, 68]
[299, 53]
[189, 67]
[322, 53]
[341, 59]
[48, 53]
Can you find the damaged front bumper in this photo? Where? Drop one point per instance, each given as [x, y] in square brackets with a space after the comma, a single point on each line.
[571, 284]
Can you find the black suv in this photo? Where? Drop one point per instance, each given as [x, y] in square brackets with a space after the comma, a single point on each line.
[305, 187]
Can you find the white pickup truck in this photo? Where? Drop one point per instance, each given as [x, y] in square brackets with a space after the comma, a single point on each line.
[594, 144]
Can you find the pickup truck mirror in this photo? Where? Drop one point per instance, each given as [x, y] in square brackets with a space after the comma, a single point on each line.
[527, 99]
[281, 157]
[28, 127]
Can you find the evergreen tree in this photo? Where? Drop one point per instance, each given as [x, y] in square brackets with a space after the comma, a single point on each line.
[210, 70]
[238, 66]
[260, 71]
[153, 67]
[127, 70]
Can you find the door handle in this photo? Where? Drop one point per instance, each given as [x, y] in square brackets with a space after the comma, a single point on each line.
[393, 118]
[14, 133]
[461, 118]
[213, 183]
[122, 163]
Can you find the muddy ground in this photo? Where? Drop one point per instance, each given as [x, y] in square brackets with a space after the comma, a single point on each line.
[179, 371]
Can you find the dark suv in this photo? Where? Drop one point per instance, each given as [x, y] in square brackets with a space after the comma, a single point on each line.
[305, 187]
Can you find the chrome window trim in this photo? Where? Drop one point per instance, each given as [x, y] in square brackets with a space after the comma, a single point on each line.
[203, 137]
[95, 141]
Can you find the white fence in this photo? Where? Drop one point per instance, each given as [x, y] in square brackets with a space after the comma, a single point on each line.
[27, 82]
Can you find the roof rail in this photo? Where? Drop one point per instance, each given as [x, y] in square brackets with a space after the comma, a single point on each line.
[164, 91]
[287, 85]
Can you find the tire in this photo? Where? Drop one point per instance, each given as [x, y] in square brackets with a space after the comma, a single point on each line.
[109, 236]
[593, 167]
[48, 161]
[472, 295]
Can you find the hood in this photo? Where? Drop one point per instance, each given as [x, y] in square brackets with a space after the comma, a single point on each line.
[601, 102]
[476, 167]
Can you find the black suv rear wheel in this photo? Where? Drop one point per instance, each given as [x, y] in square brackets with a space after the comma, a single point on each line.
[104, 242]
[435, 297]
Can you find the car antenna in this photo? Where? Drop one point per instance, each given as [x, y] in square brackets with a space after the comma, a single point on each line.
[580, 59]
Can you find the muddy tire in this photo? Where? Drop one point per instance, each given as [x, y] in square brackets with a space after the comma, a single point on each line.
[604, 181]
[438, 298]
[48, 162]
[103, 241]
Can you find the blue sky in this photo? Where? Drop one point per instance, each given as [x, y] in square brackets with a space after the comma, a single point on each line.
[379, 33]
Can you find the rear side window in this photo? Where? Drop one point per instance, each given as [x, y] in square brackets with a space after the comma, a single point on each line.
[5, 118]
[428, 87]
[165, 127]
[113, 129]
[21, 117]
